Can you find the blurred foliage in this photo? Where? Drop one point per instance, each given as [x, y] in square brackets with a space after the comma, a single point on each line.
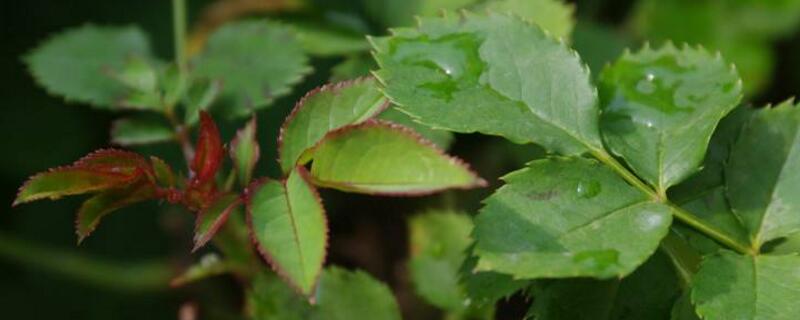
[120, 269]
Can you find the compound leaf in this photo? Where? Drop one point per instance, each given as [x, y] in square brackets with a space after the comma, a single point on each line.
[568, 217]
[257, 62]
[378, 157]
[661, 106]
[763, 175]
[494, 74]
[324, 109]
[287, 224]
[77, 64]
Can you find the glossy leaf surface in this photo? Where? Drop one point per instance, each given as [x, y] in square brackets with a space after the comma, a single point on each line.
[288, 225]
[383, 158]
[325, 109]
[660, 107]
[567, 217]
[493, 74]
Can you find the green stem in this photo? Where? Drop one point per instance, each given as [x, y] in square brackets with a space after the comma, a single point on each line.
[179, 31]
[124, 277]
[678, 212]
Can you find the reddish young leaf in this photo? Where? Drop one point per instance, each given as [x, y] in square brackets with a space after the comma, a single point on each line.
[209, 151]
[212, 218]
[100, 170]
[98, 206]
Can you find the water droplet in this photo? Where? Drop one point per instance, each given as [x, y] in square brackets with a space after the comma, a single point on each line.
[650, 77]
[648, 123]
[588, 189]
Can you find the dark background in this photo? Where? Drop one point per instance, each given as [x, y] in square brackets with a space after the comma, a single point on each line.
[44, 275]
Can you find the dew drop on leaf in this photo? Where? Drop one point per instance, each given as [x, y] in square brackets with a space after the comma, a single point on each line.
[588, 189]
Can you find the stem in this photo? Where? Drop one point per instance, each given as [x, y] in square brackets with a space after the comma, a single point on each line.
[709, 230]
[179, 31]
[182, 136]
[678, 212]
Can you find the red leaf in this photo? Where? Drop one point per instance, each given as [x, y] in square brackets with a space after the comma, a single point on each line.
[213, 217]
[100, 170]
[209, 151]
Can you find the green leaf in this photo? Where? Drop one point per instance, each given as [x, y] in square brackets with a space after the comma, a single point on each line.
[100, 205]
[199, 97]
[77, 63]
[648, 293]
[712, 209]
[568, 217]
[345, 295]
[139, 75]
[210, 265]
[711, 175]
[763, 175]
[718, 25]
[440, 138]
[438, 241]
[322, 110]
[270, 298]
[396, 13]
[213, 217]
[245, 151]
[732, 286]
[683, 309]
[352, 67]
[661, 106]
[555, 16]
[325, 40]
[485, 288]
[493, 74]
[288, 226]
[384, 158]
[162, 172]
[142, 129]
[257, 62]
